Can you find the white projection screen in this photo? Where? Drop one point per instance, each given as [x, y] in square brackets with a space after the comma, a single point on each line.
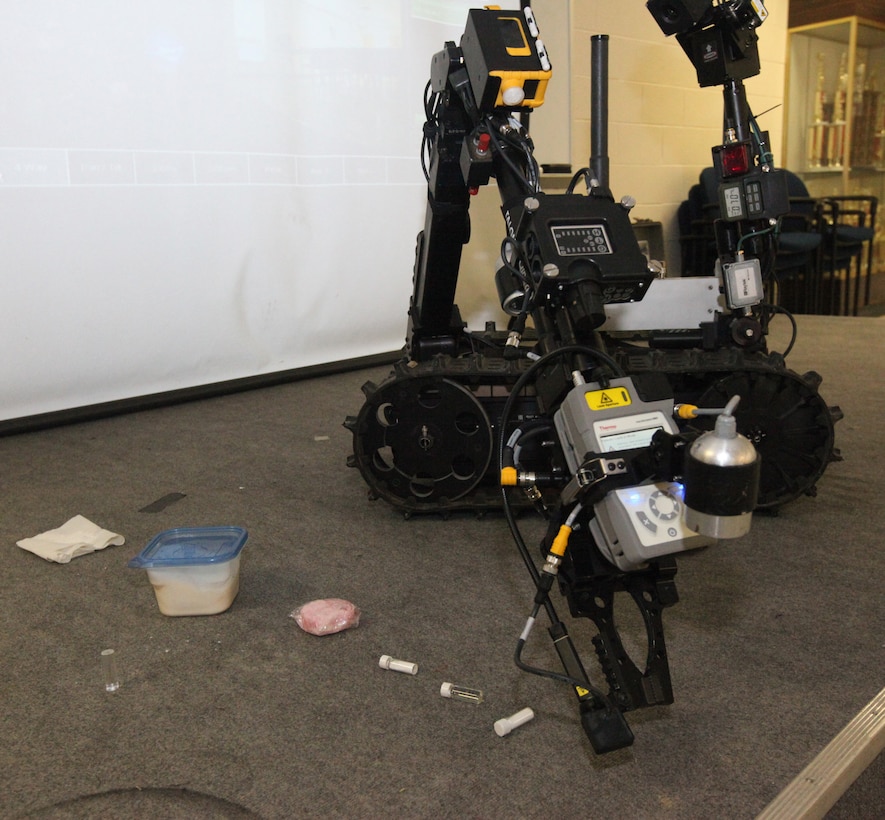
[198, 191]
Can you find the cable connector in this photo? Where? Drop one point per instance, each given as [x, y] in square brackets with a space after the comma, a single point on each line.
[691, 411]
[512, 349]
[560, 543]
[533, 494]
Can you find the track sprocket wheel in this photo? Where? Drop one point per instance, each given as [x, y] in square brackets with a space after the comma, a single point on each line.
[788, 422]
[421, 440]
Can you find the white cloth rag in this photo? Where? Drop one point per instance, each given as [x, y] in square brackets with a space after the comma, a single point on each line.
[72, 539]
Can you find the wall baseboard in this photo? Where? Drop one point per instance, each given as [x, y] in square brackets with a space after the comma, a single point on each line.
[93, 412]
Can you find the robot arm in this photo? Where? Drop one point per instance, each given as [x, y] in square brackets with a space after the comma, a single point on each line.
[469, 138]
[434, 322]
[564, 257]
[722, 44]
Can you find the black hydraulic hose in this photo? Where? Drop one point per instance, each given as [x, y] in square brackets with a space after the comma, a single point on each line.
[528, 432]
[585, 174]
[604, 358]
[518, 173]
[598, 694]
[542, 588]
[795, 329]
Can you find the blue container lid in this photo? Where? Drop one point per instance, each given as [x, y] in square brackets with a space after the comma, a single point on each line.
[191, 546]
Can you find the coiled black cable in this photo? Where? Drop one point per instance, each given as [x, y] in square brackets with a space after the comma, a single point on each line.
[521, 545]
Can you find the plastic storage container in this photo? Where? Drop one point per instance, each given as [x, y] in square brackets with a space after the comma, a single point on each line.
[194, 570]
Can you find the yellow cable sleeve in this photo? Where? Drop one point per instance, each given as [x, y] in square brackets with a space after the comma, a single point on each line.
[508, 477]
[560, 543]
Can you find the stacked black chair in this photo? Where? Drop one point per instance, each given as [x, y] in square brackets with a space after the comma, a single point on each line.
[847, 226]
[850, 229]
[824, 251]
[697, 239]
[798, 263]
[796, 273]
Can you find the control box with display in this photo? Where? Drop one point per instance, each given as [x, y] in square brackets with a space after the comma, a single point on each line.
[581, 240]
[759, 195]
[594, 420]
[584, 238]
[633, 525]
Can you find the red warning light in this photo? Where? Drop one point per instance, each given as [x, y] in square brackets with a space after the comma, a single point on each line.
[735, 159]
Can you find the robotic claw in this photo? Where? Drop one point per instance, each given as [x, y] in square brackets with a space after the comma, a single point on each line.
[639, 491]
[638, 426]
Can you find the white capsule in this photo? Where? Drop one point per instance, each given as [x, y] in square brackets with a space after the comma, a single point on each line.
[386, 662]
[505, 726]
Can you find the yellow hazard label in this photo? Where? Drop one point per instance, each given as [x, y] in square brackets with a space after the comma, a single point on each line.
[608, 399]
[582, 692]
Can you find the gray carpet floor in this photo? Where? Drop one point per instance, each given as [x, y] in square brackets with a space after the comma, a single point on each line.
[777, 642]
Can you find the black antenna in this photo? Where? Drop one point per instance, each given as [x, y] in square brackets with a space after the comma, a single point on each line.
[599, 108]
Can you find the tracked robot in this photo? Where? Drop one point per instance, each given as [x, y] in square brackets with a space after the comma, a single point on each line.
[641, 416]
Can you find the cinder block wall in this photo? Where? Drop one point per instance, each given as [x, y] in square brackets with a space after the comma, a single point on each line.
[661, 124]
[661, 129]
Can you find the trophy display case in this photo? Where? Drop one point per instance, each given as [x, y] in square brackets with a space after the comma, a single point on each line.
[835, 112]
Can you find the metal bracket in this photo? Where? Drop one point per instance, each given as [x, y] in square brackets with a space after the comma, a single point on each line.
[589, 474]
[590, 584]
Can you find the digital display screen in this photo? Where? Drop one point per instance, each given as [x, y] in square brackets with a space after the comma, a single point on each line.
[629, 440]
[733, 201]
[581, 240]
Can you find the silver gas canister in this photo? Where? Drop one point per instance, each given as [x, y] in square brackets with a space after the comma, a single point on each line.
[721, 477]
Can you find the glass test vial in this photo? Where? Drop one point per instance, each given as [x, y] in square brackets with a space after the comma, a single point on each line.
[109, 670]
[456, 692]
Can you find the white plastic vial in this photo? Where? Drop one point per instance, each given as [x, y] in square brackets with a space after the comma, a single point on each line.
[506, 725]
[386, 662]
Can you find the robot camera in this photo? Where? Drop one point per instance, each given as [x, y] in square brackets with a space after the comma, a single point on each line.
[506, 61]
[682, 16]
[678, 16]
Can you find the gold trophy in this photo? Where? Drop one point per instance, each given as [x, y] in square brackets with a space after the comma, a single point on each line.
[816, 131]
[836, 140]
